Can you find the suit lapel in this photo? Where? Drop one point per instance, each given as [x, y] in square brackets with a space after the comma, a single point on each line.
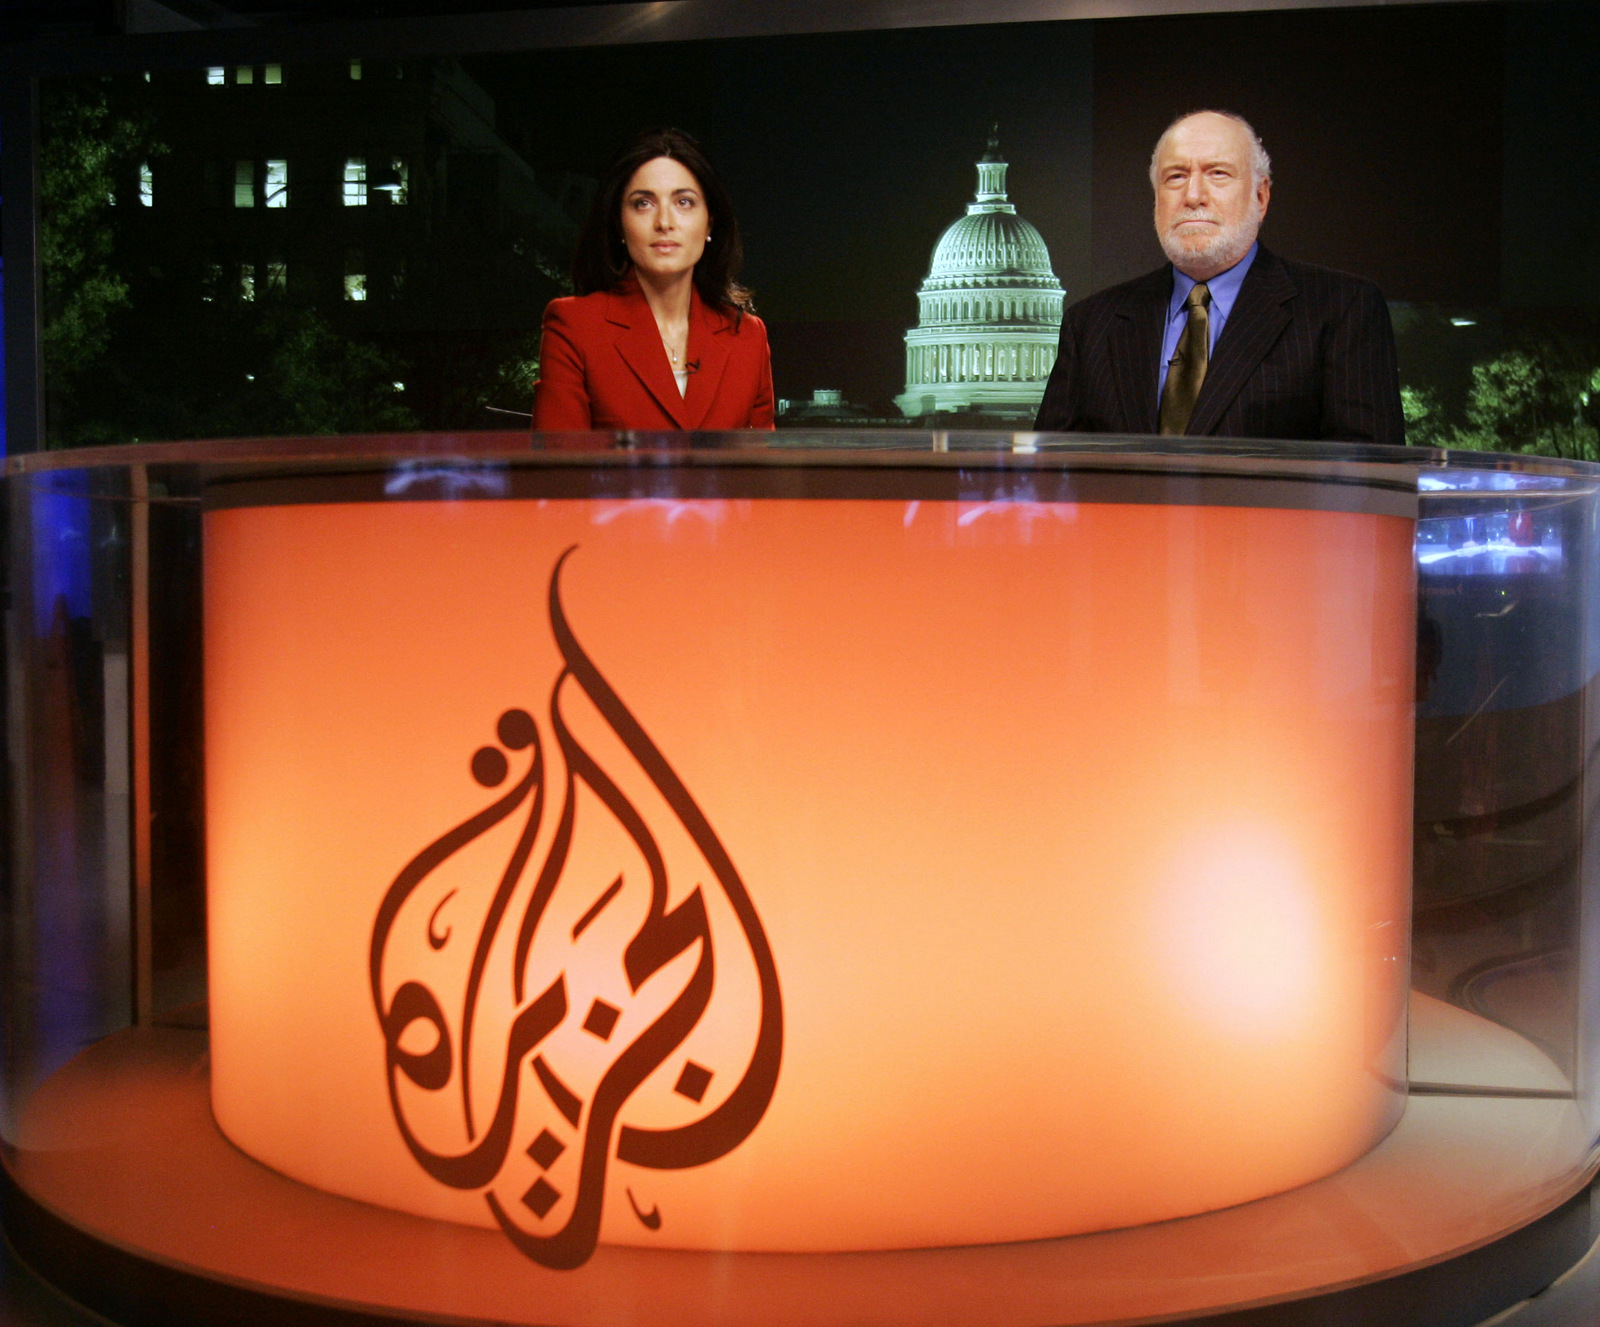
[638, 342]
[709, 333]
[1134, 345]
[1253, 328]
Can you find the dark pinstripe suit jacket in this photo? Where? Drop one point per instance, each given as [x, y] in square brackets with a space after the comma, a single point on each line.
[1306, 353]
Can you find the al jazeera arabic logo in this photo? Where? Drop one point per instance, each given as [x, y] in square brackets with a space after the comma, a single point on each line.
[490, 1116]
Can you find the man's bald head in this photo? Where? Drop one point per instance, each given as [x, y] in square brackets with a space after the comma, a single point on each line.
[1260, 162]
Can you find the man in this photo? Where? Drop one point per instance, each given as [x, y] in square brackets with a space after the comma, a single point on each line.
[1230, 340]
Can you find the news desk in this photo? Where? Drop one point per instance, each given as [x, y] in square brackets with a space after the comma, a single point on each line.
[818, 878]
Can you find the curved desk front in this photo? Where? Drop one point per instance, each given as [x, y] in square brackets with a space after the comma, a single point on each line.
[981, 877]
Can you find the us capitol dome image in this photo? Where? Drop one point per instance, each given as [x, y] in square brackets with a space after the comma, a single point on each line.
[989, 312]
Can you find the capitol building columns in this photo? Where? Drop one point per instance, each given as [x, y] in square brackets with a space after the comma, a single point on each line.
[989, 312]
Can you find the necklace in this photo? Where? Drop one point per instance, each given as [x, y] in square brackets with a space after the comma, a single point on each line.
[675, 342]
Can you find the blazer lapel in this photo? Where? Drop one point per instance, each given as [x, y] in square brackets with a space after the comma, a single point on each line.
[638, 341]
[710, 331]
[1134, 346]
[1253, 328]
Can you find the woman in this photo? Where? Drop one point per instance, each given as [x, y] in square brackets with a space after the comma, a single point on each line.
[659, 335]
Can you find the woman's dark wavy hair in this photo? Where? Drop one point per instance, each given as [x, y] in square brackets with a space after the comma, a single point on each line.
[602, 263]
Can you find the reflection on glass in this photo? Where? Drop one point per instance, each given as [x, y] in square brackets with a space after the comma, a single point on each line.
[1505, 667]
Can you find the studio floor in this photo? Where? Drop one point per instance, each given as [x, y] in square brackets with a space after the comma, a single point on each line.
[28, 1301]
[1490, 1129]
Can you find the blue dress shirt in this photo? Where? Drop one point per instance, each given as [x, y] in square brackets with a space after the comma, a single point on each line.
[1224, 288]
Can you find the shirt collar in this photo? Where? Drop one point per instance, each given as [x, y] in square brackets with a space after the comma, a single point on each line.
[1224, 287]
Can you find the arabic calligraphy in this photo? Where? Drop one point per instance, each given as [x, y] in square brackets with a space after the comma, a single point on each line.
[527, 996]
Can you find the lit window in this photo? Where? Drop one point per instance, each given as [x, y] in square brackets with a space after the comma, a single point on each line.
[277, 184]
[216, 76]
[247, 281]
[210, 282]
[147, 185]
[146, 75]
[244, 184]
[398, 185]
[355, 276]
[355, 70]
[272, 74]
[355, 181]
[399, 386]
[277, 276]
[244, 74]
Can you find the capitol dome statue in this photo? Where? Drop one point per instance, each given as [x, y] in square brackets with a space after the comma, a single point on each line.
[990, 312]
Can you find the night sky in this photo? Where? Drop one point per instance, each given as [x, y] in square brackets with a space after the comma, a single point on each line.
[1384, 128]
[1401, 140]
[1444, 150]
[847, 156]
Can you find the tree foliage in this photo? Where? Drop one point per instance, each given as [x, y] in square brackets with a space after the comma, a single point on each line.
[85, 152]
[1523, 401]
[1425, 418]
[213, 372]
[1541, 397]
[316, 381]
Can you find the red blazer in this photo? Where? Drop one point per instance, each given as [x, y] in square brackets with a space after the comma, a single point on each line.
[602, 366]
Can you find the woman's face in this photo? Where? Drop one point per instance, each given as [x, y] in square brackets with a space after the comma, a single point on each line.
[664, 218]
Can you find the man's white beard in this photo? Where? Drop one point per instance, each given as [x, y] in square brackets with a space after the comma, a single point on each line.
[1225, 247]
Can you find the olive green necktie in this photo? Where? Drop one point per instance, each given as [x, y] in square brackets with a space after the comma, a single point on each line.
[1188, 368]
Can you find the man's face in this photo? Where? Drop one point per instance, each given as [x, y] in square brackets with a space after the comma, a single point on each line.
[1208, 205]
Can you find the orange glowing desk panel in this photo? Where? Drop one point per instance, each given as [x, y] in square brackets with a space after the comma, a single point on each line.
[806, 874]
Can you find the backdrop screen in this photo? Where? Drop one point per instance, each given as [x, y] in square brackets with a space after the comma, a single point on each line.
[369, 244]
